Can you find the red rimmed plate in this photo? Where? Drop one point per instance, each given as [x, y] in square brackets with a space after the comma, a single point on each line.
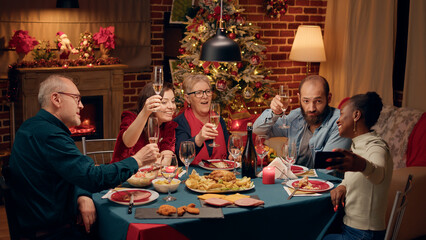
[319, 185]
[297, 169]
[229, 163]
[141, 196]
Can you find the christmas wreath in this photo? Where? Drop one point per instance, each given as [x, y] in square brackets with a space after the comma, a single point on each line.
[275, 8]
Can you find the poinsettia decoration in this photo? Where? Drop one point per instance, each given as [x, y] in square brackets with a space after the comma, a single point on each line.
[22, 42]
[275, 8]
[105, 36]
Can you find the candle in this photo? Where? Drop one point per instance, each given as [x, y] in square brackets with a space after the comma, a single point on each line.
[90, 65]
[170, 169]
[65, 66]
[268, 175]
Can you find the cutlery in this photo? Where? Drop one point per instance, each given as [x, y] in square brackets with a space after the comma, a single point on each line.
[129, 211]
[294, 191]
[207, 163]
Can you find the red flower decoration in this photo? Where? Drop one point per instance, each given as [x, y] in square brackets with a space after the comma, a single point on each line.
[258, 85]
[105, 36]
[22, 42]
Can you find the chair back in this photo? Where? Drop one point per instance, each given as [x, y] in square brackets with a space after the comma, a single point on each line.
[9, 203]
[398, 210]
[100, 150]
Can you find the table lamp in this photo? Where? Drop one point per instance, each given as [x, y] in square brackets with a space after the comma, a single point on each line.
[220, 48]
[308, 46]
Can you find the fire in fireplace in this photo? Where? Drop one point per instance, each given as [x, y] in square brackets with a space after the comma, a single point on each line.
[91, 116]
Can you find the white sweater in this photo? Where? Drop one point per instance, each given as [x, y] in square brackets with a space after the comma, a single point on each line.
[367, 191]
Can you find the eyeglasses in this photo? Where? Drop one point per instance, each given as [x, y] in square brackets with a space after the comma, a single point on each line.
[200, 93]
[76, 97]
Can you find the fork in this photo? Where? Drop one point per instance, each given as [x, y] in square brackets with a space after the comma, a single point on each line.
[294, 191]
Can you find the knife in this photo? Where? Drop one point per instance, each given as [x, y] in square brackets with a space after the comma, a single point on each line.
[207, 163]
[129, 211]
[292, 194]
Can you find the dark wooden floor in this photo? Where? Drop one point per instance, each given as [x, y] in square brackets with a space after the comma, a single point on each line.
[4, 229]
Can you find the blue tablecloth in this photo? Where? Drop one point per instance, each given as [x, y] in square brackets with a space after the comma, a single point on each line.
[297, 218]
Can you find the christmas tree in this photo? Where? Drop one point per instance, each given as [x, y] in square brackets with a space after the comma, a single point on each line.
[234, 83]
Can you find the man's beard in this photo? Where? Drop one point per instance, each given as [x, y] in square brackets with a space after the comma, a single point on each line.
[315, 120]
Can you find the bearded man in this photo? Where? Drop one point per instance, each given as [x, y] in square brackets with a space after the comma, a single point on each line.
[312, 126]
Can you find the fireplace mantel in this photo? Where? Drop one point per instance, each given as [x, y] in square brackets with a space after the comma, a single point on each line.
[105, 80]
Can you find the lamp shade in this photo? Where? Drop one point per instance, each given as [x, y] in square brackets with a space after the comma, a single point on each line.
[67, 4]
[220, 48]
[308, 45]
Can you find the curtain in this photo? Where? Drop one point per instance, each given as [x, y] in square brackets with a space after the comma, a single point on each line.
[41, 18]
[359, 43]
[415, 71]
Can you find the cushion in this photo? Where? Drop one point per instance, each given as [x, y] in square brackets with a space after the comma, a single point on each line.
[416, 150]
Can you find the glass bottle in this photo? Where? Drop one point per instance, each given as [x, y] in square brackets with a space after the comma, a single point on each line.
[249, 157]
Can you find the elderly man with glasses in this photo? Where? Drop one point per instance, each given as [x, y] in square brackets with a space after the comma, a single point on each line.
[194, 121]
[49, 174]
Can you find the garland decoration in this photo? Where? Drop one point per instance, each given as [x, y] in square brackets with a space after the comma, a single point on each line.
[275, 8]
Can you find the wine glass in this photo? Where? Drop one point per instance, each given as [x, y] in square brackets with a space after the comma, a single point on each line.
[158, 79]
[285, 100]
[289, 153]
[187, 154]
[261, 149]
[235, 144]
[169, 172]
[214, 119]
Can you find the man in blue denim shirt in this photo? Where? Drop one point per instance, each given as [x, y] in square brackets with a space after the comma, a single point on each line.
[313, 126]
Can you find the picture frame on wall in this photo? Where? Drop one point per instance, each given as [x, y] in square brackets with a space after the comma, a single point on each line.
[173, 64]
[181, 9]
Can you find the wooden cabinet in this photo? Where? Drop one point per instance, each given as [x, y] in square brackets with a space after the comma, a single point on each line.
[105, 81]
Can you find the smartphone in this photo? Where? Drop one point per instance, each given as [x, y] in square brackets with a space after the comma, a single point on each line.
[320, 158]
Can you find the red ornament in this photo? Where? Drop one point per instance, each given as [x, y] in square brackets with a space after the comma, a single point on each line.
[255, 60]
[257, 35]
[182, 50]
[266, 95]
[221, 85]
[226, 18]
[207, 71]
[191, 65]
[232, 36]
[258, 85]
[240, 65]
[235, 73]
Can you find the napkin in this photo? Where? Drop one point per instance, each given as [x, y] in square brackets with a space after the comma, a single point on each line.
[281, 169]
[309, 173]
[300, 193]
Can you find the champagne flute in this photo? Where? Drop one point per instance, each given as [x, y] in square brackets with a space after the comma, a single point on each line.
[158, 79]
[261, 149]
[289, 153]
[214, 119]
[169, 172]
[285, 100]
[235, 144]
[187, 154]
[153, 129]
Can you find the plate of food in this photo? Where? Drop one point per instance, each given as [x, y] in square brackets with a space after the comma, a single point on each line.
[218, 164]
[310, 185]
[218, 181]
[297, 169]
[143, 177]
[140, 196]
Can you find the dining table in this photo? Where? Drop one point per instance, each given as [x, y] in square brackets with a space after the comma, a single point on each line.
[301, 217]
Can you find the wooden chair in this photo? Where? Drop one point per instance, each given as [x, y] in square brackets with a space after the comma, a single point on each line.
[100, 150]
[398, 210]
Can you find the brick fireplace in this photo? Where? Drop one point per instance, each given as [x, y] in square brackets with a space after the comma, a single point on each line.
[101, 88]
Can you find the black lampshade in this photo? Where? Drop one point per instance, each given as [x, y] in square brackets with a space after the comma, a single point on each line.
[220, 48]
[67, 4]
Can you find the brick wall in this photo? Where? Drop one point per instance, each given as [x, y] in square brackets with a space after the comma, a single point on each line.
[278, 35]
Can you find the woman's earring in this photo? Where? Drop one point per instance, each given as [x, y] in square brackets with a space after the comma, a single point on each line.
[354, 126]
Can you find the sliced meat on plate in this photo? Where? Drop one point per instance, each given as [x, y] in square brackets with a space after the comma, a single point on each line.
[217, 202]
[248, 202]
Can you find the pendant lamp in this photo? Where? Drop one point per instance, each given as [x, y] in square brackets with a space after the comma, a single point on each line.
[67, 4]
[220, 48]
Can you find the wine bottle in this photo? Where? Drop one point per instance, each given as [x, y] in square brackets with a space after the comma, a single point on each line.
[249, 158]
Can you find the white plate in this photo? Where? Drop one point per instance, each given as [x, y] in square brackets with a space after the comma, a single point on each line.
[322, 184]
[219, 191]
[300, 169]
[201, 164]
[154, 195]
